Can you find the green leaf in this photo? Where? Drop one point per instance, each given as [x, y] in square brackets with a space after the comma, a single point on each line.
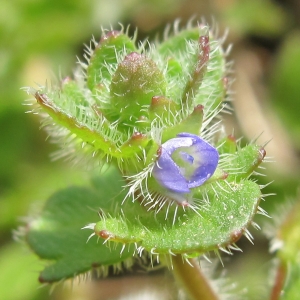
[72, 92]
[56, 234]
[214, 85]
[176, 45]
[112, 47]
[227, 145]
[218, 223]
[88, 131]
[245, 161]
[191, 124]
[182, 58]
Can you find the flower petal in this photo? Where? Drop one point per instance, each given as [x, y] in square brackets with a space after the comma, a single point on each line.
[166, 171]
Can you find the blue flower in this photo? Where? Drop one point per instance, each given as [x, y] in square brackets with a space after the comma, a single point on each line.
[185, 162]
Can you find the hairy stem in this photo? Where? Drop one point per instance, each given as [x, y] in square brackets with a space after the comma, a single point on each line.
[191, 278]
[279, 282]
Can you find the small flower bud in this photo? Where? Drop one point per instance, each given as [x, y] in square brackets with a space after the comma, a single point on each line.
[136, 80]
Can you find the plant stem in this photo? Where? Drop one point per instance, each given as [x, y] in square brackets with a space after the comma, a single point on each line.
[191, 278]
[279, 282]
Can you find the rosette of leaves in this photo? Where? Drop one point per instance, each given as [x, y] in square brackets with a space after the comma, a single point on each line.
[176, 184]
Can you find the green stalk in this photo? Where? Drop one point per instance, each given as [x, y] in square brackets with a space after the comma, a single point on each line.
[190, 276]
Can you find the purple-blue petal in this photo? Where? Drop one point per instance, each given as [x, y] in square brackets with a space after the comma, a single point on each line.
[171, 145]
[206, 159]
[168, 174]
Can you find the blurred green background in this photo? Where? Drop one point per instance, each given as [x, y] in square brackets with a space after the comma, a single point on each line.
[39, 38]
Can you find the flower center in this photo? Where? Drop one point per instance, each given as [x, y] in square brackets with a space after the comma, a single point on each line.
[184, 159]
